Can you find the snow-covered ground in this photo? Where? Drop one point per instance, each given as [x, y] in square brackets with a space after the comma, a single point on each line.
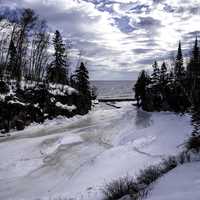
[182, 183]
[76, 157]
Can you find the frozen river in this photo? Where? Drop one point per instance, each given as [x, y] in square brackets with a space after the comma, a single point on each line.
[74, 158]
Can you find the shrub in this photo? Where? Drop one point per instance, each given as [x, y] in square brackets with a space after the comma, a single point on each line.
[138, 189]
[120, 188]
[184, 157]
[193, 143]
[149, 175]
[169, 164]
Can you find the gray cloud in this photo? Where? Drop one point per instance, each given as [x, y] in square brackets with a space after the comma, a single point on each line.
[141, 51]
[119, 38]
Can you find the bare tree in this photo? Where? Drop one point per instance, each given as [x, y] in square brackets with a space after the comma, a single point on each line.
[27, 22]
[38, 56]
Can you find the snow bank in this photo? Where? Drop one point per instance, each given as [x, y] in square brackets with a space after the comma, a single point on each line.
[182, 183]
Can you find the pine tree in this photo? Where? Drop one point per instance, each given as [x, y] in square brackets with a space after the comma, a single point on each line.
[140, 88]
[179, 68]
[195, 52]
[156, 73]
[13, 70]
[171, 76]
[163, 75]
[194, 65]
[82, 80]
[193, 73]
[82, 84]
[57, 72]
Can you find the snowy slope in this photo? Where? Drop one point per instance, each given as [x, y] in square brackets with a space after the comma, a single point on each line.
[182, 183]
[75, 157]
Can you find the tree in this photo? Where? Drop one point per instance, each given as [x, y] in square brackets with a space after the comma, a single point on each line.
[163, 75]
[82, 80]
[140, 87]
[194, 64]
[57, 72]
[193, 72]
[82, 84]
[13, 71]
[179, 68]
[27, 22]
[94, 92]
[39, 57]
[171, 76]
[156, 73]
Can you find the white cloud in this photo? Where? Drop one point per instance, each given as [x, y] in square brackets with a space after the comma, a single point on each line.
[121, 35]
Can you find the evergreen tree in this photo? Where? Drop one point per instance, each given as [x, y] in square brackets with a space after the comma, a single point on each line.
[82, 80]
[171, 76]
[82, 84]
[194, 65]
[141, 88]
[194, 74]
[196, 53]
[179, 68]
[163, 75]
[57, 71]
[156, 73]
[13, 70]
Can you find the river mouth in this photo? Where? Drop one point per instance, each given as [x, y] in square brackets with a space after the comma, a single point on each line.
[75, 157]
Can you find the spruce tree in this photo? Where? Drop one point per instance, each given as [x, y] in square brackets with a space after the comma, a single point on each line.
[156, 73]
[141, 88]
[193, 72]
[13, 70]
[179, 68]
[163, 75]
[57, 71]
[82, 80]
[194, 65]
[82, 84]
[171, 76]
[196, 54]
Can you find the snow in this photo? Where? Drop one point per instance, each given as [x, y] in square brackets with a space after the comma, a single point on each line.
[16, 102]
[74, 158]
[58, 89]
[60, 143]
[54, 89]
[181, 183]
[69, 108]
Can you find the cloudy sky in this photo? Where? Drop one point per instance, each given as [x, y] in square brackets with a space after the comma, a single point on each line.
[118, 38]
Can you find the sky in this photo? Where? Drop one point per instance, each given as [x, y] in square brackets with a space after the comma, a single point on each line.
[119, 38]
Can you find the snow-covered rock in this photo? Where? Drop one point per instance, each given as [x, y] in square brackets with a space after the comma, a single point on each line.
[69, 108]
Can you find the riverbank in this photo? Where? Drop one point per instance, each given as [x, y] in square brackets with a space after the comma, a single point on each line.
[76, 157]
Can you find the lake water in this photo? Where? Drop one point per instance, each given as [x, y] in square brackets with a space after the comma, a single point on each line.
[121, 89]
